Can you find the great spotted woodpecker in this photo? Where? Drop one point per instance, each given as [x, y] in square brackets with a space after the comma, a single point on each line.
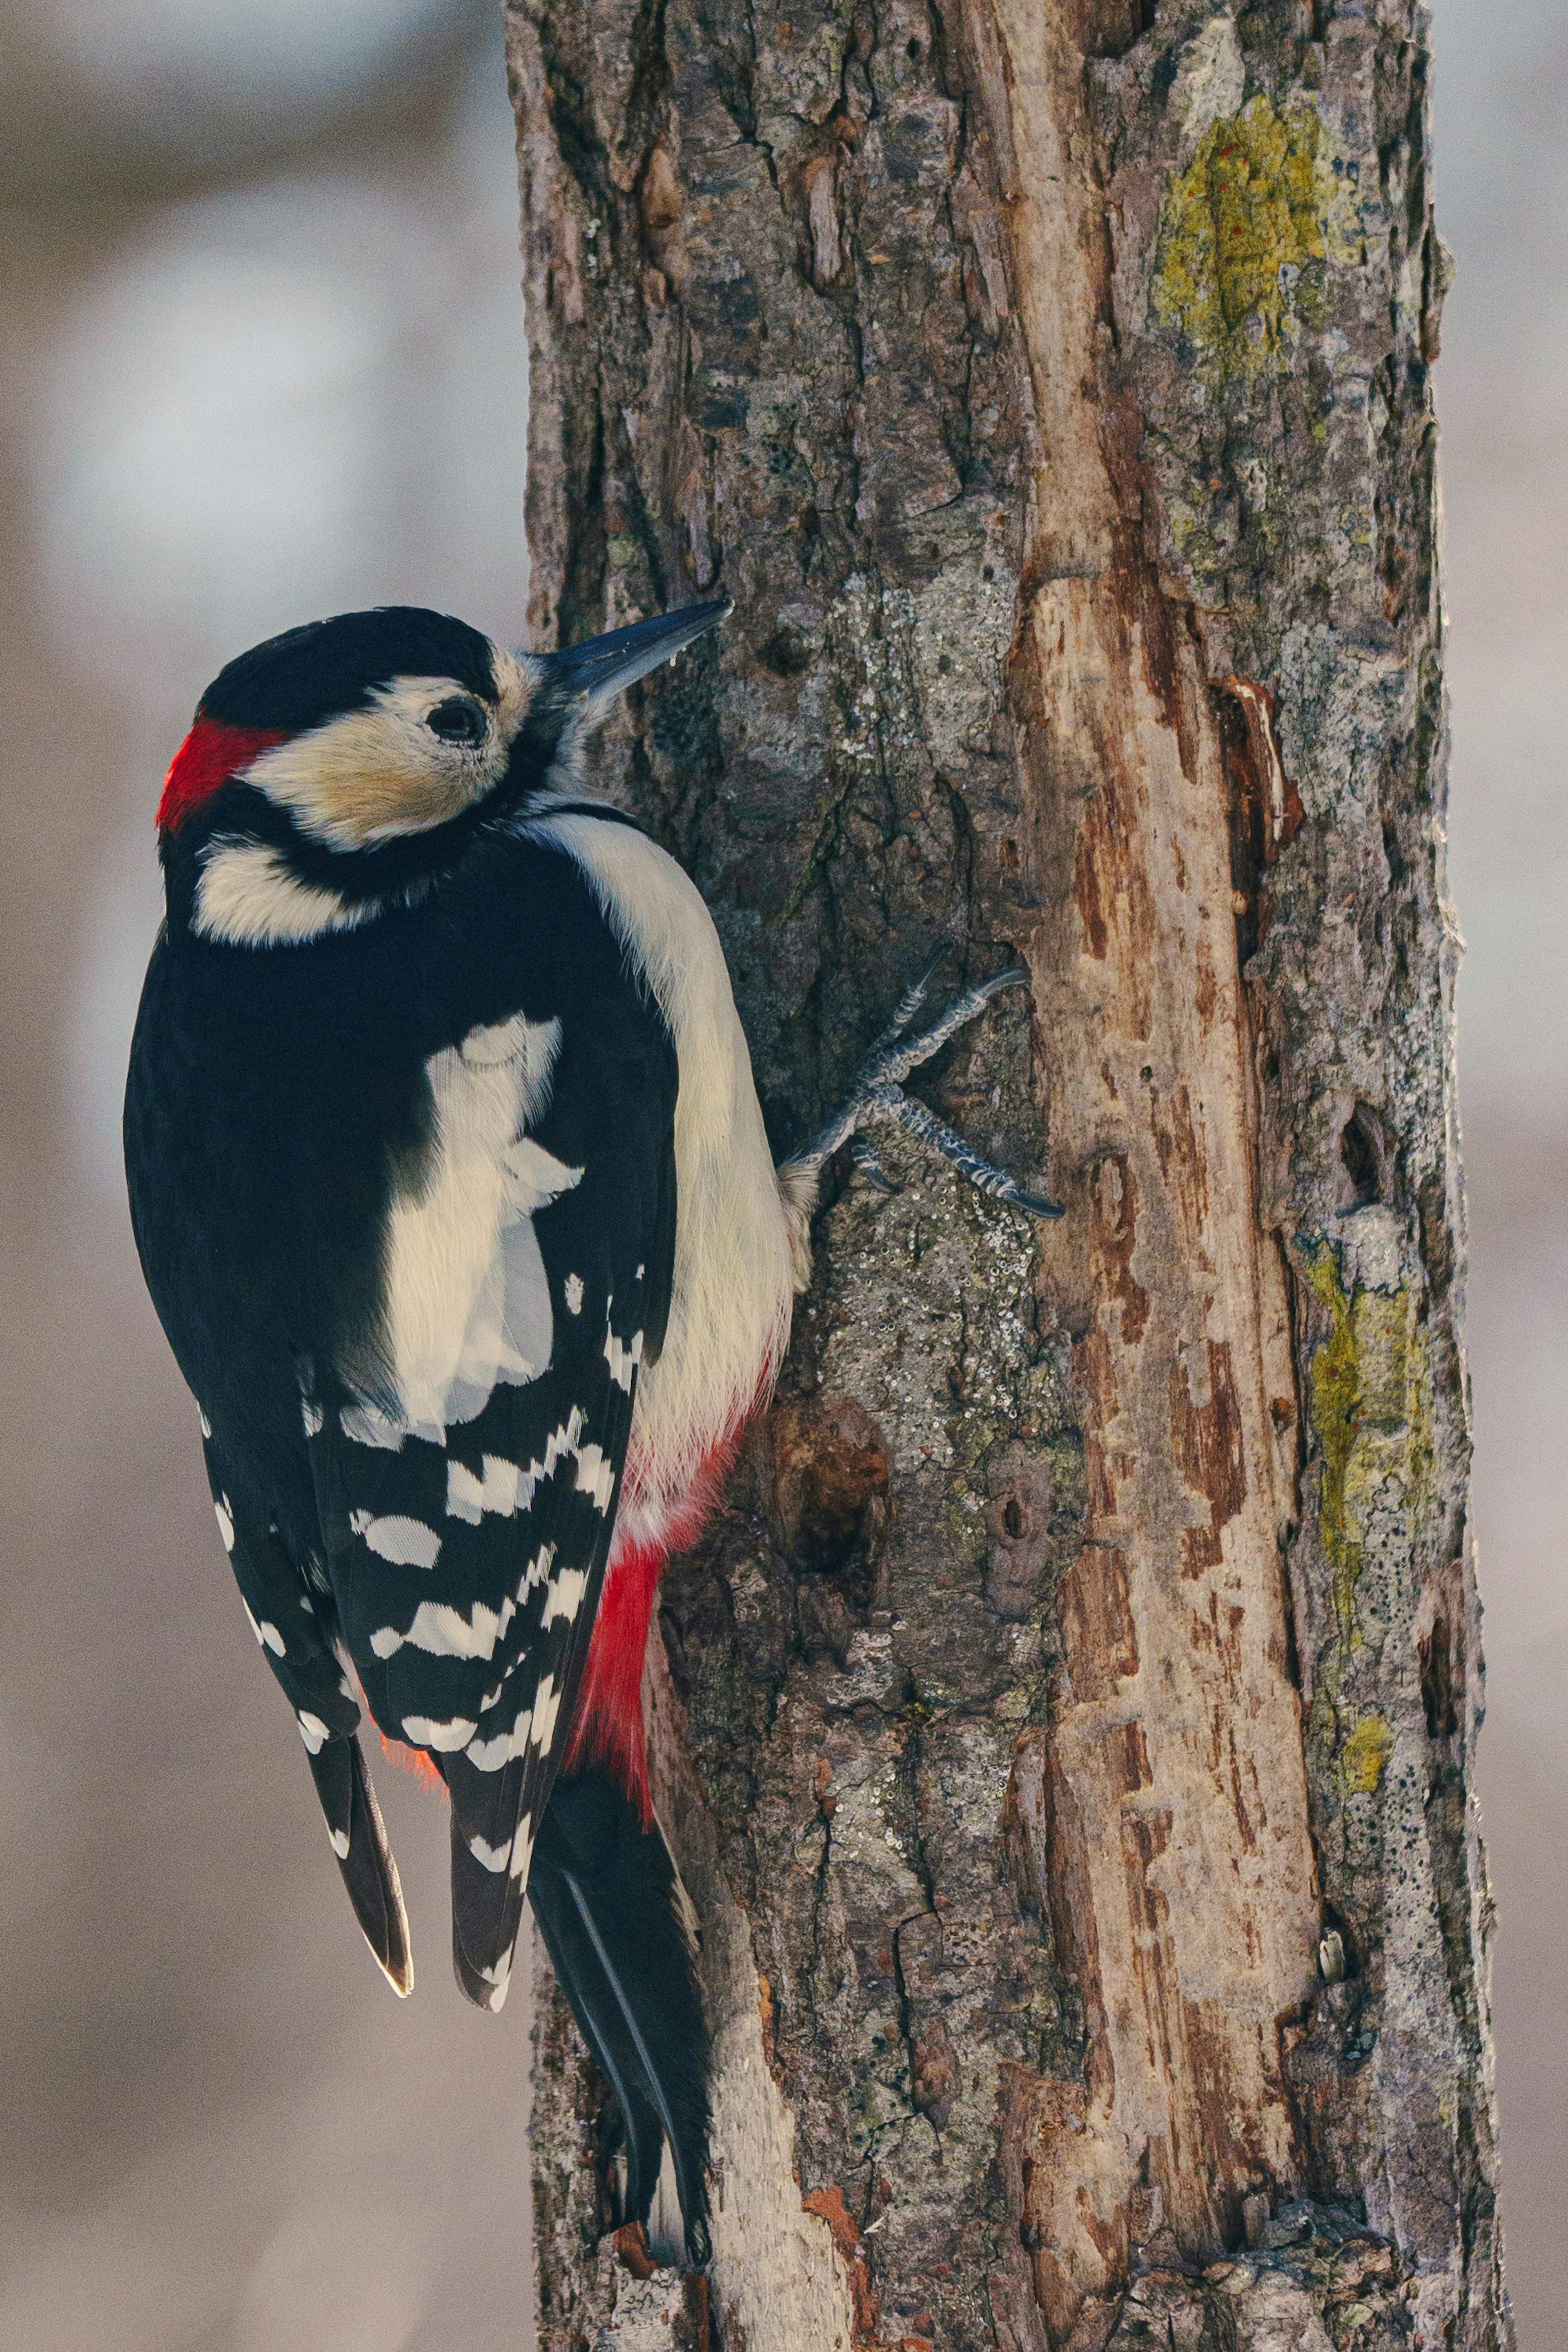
[452, 1195]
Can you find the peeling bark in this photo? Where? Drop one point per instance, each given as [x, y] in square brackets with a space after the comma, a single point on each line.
[1067, 1727]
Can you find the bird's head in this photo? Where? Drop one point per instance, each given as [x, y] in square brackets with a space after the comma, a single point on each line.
[346, 766]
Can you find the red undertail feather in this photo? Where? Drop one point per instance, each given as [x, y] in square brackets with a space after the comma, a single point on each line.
[414, 1761]
[608, 1728]
[210, 754]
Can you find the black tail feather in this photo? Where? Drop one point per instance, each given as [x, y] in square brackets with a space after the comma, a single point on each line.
[360, 1842]
[613, 1915]
[490, 1843]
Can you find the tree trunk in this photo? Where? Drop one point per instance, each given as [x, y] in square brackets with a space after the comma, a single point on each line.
[1067, 1728]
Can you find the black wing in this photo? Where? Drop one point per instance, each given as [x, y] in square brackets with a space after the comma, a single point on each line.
[291, 1624]
[466, 1532]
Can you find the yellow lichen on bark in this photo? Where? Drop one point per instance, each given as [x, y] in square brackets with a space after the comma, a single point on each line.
[1366, 1755]
[1244, 227]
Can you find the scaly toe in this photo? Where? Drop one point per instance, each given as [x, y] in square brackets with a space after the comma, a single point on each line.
[862, 1152]
[877, 1094]
[890, 1061]
[994, 1182]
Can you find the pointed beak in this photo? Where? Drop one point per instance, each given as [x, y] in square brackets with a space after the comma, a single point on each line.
[606, 666]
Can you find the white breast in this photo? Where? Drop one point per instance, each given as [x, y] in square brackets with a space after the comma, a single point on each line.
[730, 1313]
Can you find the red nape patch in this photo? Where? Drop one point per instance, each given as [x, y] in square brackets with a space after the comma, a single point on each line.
[210, 754]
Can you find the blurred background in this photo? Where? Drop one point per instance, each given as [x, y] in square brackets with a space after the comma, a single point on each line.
[262, 357]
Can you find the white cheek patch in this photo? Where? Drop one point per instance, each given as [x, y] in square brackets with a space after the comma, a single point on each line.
[381, 773]
[467, 1299]
[247, 897]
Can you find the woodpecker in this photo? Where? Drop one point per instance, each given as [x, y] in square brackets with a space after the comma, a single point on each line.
[451, 1192]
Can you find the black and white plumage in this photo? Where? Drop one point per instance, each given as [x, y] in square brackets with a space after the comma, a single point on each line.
[451, 1192]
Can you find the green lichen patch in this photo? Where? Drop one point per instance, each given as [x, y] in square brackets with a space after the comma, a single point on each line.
[1336, 1393]
[1372, 1415]
[1244, 233]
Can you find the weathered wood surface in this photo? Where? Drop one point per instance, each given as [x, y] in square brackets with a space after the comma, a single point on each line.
[1088, 1654]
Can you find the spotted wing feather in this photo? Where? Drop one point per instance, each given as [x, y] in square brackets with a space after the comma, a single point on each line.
[289, 1622]
[466, 1557]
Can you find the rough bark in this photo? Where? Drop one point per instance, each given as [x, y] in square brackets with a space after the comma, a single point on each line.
[1067, 1727]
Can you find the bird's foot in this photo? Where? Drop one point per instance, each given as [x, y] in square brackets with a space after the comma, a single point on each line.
[878, 1094]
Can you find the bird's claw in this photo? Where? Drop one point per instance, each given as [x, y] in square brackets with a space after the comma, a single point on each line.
[862, 1151]
[878, 1094]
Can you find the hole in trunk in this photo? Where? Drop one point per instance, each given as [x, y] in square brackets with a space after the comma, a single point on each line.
[1364, 1154]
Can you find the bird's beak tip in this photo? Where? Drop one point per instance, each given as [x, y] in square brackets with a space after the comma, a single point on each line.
[605, 666]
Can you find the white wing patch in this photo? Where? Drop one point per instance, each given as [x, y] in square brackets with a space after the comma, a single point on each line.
[522, 1854]
[595, 1476]
[564, 1598]
[490, 1857]
[492, 1487]
[407, 1543]
[494, 1755]
[623, 1361]
[265, 1632]
[573, 1296]
[420, 1731]
[501, 1485]
[445, 1632]
[468, 1302]
[546, 1706]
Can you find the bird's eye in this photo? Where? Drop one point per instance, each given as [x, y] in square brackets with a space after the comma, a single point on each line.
[457, 721]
